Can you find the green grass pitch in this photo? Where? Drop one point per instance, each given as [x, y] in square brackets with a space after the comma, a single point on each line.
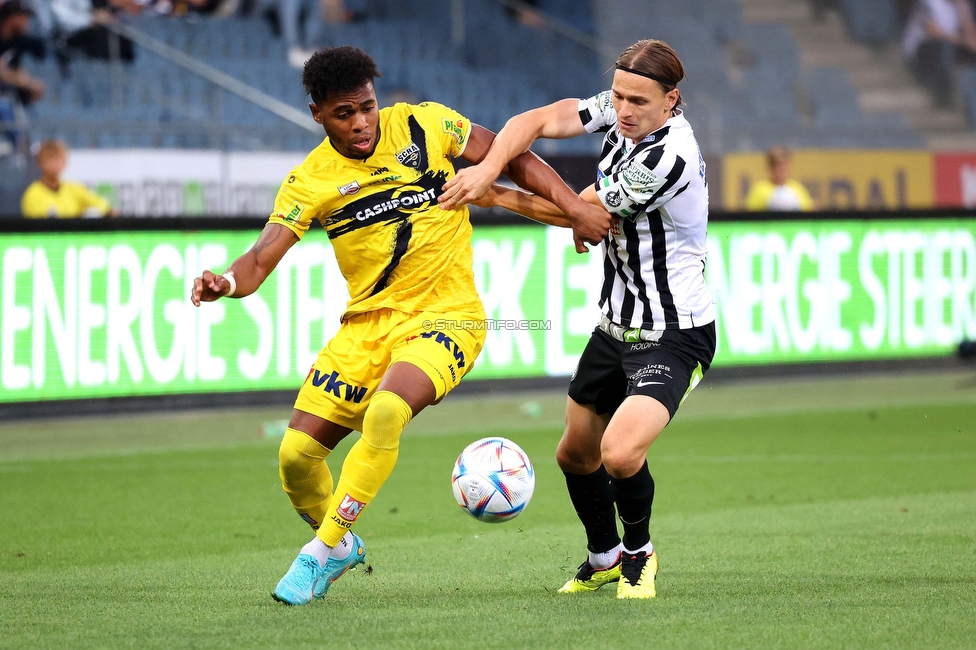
[815, 513]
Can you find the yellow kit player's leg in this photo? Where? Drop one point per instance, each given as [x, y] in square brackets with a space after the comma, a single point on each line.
[444, 355]
[368, 464]
[305, 475]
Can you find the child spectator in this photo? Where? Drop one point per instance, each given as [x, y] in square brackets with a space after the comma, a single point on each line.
[51, 197]
[780, 192]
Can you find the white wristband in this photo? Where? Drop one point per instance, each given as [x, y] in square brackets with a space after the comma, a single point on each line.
[232, 281]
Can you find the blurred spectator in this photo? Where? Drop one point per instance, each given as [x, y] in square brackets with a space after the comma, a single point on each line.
[821, 7]
[527, 14]
[51, 197]
[316, 14]
[183, 7]
[17, 88]
[779, 192]
[290, 12]
[78, 26]
[939, 33]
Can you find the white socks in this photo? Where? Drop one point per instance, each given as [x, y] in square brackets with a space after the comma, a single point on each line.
[605, 560]
[317, 549]
[647, 548]
[343, 548]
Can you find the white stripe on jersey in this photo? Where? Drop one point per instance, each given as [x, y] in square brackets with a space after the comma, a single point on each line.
[654, 257]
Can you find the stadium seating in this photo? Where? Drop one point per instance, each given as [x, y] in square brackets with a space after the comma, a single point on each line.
[872, 22]
[501, 68]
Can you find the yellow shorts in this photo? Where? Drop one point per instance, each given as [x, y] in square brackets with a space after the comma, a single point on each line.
[349, 369]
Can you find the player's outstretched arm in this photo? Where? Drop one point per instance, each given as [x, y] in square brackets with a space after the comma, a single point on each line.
[248, 271]
[532, 173]
[535, 207]
[528, 205]
[557, 120]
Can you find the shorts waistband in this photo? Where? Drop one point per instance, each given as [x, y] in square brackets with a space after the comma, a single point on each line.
[632, 335]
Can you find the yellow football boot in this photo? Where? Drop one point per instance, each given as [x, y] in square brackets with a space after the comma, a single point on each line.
[637, 573]
[589, 579]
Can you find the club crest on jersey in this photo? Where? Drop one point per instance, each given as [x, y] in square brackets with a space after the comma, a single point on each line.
[349, 188]
[613, 199]
[409, 157]
[350, 508]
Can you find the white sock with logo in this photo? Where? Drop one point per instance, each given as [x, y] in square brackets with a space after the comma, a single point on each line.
[317, 549]
[343, 548]
[605, 560]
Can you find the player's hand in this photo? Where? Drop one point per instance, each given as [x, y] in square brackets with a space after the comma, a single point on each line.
[208, 287]
[580, 245]
[469, 185]
[591, 223]
[490, 199]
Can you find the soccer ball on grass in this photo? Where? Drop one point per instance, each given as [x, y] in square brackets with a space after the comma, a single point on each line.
[493, 479]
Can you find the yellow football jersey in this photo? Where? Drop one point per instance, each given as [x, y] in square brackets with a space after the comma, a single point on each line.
[394, 245]
[69, 201]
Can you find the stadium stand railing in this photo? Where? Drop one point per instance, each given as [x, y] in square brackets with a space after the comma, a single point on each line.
[745, 88]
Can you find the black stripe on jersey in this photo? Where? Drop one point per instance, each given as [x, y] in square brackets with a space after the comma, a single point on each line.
[653, 157]
[659, 248]
[387, 205]
[617, 156]
[658, 149]
[634, 262]
[420, 139]
[585, 116]
[404, 232]
[627, 306]
[609, 143]
[672, 178]
[608, 275]
[607, 149]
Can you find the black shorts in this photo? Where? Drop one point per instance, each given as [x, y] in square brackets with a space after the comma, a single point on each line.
[666, 370]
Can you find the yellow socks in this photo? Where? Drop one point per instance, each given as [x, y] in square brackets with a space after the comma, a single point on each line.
[368, 464]
[305, 476]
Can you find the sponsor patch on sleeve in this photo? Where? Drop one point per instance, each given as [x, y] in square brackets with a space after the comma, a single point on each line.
[454, 128]
[639, 176]
[294, 212]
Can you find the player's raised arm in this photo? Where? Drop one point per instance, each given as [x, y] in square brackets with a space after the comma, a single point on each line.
[249, 270]
[558, 120]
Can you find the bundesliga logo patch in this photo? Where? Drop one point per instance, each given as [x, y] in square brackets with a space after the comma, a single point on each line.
[350, 508]
[349, 188]
[613, 199]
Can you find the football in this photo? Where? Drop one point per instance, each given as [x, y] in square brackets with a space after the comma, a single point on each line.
[493, 479]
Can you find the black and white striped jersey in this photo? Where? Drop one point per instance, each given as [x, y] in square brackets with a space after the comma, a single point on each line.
[654, 256]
